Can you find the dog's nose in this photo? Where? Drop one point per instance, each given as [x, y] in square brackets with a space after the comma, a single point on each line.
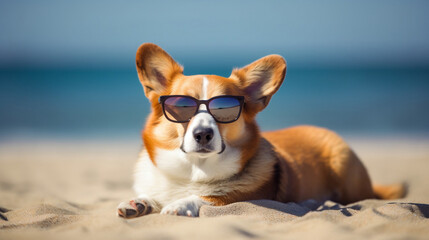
[203, 135]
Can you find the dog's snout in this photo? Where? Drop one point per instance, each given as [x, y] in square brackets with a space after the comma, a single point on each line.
[203, 135]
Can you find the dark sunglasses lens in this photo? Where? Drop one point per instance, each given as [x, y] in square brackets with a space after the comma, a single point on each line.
[179, 109]
[225, 109]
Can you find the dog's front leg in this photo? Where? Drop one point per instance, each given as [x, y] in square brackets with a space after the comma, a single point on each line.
[137, 207]
[189, 206]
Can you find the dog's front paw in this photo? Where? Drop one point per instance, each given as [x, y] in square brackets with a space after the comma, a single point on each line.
[189, 206]
[134, 208]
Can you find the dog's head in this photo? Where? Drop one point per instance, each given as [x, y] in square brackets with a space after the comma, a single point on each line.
[202, 147]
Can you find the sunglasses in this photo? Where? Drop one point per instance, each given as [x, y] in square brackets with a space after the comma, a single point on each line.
[180, 108]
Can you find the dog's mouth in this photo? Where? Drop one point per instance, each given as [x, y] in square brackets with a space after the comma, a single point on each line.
[204, 150]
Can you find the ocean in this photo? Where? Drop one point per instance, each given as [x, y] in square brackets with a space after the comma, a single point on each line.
[111, 103]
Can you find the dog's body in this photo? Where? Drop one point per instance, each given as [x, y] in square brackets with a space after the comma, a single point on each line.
[173, 175]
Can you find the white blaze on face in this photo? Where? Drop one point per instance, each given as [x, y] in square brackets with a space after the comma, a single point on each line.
[202, 120]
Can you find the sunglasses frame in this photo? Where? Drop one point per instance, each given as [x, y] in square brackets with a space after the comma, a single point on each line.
[240, 99]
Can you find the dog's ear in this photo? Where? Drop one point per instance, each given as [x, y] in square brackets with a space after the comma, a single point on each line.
[156, 69]
[260, 80]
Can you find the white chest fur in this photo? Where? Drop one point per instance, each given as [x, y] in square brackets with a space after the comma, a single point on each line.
[178, 175]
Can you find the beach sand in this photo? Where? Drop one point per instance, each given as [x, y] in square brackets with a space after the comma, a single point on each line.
[69, 189]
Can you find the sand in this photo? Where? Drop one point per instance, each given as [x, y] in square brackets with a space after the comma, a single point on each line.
[69, 189]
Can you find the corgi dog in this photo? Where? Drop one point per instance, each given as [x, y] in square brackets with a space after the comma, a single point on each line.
[202, 145]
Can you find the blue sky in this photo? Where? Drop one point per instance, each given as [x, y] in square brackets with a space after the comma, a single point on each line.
[107, 33]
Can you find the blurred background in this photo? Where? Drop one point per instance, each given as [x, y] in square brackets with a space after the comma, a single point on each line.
[67, 68]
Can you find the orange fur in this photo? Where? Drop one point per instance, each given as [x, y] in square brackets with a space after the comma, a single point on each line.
[324, 166]
[392, 191]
